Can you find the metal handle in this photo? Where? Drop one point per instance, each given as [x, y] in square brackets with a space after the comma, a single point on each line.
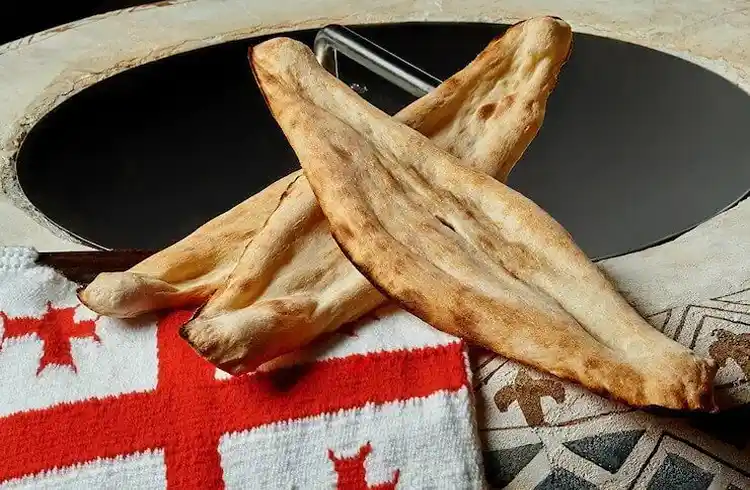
[334, 39]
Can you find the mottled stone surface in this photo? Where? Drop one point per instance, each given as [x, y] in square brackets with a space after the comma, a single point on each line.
[40, 71]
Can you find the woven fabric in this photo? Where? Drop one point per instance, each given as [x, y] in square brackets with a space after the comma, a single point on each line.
[544, 433]
[94, 402]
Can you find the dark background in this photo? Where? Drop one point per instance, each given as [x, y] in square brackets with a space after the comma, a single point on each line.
[26, 17]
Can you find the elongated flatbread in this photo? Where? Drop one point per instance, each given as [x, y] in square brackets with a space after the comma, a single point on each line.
[288, 270]
[464, 252]
[511, 79]
[293, 283]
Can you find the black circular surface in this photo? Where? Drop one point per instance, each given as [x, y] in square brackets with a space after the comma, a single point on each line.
[637, 145]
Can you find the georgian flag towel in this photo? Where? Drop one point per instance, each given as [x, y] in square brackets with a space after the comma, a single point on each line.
[94, 402]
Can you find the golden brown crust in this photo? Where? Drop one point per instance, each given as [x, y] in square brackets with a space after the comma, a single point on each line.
[191, 270]
[276, 246]
[295, 259]
[489, 112]
[464, 252]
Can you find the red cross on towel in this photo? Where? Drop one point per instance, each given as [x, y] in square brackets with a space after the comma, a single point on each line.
[190, 409]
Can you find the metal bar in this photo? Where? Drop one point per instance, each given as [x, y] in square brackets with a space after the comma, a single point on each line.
[334, 39]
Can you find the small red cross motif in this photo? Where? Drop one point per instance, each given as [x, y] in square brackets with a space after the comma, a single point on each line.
[351, 472]
[55, 328]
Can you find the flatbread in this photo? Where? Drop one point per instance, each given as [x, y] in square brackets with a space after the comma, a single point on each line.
[189, 272]
[314, 272]
[293, 283]
[464, 252]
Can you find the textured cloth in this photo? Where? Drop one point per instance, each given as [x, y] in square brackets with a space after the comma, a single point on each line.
[542, 433]
[94, 402]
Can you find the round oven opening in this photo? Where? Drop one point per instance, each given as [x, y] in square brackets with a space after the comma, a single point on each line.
[637, 146]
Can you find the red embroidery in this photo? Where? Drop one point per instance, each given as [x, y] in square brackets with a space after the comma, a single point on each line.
[351, 471]
[190, 410]
[55, 328]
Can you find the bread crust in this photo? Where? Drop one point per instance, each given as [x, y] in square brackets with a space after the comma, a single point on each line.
[464, 252]
[275, 277]
[293, 283]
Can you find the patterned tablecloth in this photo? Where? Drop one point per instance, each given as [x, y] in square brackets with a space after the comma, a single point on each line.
[542, 433]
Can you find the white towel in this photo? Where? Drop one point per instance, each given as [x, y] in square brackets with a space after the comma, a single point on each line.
[94, 402]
